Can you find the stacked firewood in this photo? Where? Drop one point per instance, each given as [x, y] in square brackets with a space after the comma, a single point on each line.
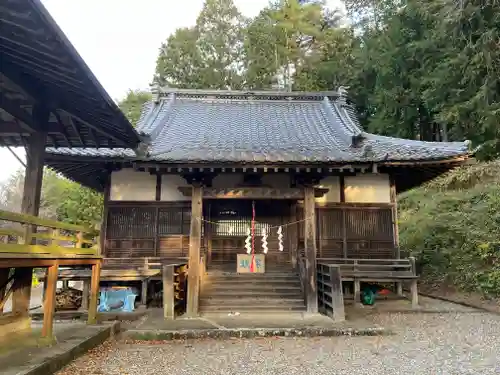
[68, 299]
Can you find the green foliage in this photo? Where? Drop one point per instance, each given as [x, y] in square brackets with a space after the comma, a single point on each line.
[131, 104]
[209, 55]
[61, 199]
[451, 226]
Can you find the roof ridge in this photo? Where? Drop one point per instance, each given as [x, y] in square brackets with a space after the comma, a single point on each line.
[290, 95]
[348, 133]
[160, 126]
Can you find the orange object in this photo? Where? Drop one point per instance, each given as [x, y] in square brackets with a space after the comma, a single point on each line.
[384, 292]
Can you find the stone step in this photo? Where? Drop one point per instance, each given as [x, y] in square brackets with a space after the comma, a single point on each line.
[272, 293]
[253, 277]
[268, 309]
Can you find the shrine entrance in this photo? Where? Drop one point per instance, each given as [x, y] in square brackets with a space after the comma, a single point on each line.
[228, 223]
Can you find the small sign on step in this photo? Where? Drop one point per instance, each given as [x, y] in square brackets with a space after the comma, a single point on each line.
[244, 262]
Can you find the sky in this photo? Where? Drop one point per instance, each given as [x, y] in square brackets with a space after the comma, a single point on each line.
[119, 40]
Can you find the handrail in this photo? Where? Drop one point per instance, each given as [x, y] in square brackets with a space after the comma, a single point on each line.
[330, 295]
[41, 222]
[24, 241]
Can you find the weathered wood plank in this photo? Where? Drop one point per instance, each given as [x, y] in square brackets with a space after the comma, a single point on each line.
[194, 251]
[337, 294]
[253, 193]
[168, 275]
[310, 249]
[94, 293]
[49, 302]
[51, 249]
[30, 219]
[22, 290]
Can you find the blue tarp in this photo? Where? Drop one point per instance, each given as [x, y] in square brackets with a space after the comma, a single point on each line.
[119, 299]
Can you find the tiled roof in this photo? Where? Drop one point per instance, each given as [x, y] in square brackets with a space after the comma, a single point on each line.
[218, 127]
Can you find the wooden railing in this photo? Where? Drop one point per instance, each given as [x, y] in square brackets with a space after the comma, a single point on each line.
[398, 271]
[174, 288]
[373, 269]
[29, 236]
[330, 295]
[140, 263]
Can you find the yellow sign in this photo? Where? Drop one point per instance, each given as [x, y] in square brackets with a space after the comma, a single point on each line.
[245, 261]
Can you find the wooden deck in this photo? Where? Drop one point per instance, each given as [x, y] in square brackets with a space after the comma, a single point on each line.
[28, 242]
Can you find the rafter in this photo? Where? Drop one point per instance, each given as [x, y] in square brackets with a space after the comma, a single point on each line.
[13, 107]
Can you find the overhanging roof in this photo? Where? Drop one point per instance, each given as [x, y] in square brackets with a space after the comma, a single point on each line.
[42, 75]
[191, 127]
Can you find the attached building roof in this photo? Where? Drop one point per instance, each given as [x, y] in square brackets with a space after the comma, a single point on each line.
[42, 75]
[215, 127]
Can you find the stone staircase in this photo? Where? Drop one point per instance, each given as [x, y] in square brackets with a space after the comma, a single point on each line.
[270, 292]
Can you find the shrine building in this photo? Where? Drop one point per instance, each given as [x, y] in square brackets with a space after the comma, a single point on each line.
[283, 176]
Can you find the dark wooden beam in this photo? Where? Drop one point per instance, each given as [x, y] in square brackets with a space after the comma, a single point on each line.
[13, 107]
[13, 128]
[64, 132]
[310, 249]
[193, 294]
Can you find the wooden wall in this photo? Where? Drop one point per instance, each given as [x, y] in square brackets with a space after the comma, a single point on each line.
[137, 229]
[353, 231]
[148, 229]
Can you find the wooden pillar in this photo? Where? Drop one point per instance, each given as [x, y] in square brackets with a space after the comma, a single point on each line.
[22, 290]
[168, 292]
[395, 216]
[35, 152]
[310, 249]
[344, 216]
[337, 294]
[194, 250]
[85, 294]
[94, 292]
[293, 236]
[105, 210]
[49, 303]
[4, 278]
[144, 292]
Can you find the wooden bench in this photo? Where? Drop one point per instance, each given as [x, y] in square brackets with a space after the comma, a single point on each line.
[377, 270]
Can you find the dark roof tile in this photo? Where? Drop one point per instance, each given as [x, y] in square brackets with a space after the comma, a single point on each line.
[187, 128]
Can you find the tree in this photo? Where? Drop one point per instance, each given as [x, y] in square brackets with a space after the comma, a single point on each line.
[281, 38]
[61, 199]
[131, 104]
[209, 55]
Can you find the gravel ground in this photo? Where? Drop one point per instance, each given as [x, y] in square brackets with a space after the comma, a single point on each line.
[461, 341]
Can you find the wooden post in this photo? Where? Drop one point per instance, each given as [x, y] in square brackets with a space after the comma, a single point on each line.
[357, 285]
[293, 236]
[85, 294]
[104, 222]
[49, 303]
[168, 292]
[414, 294]
[144, 292]
[337, 295]
[343, 211]
[209, 235]
[4, 278]
[310, 249]
[22, 290]
[194, 250]
[35, 152]
[395, 227]
[94, 292]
